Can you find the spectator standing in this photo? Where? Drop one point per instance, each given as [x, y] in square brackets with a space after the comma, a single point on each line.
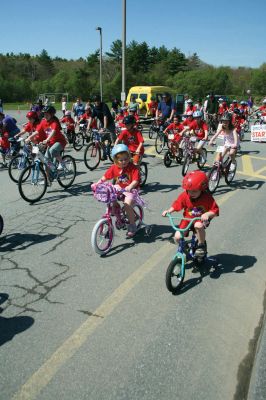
[64, 105]
[166, 107]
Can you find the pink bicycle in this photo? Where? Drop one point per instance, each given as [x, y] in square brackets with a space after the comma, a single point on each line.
[102, 235]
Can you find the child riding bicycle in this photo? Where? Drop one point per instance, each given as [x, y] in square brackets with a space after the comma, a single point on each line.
[132, 138]
[195, 201]
[126, 176]
[230, 138]
[172, 132]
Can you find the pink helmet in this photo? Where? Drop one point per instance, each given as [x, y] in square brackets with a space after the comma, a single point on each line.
[68, 113]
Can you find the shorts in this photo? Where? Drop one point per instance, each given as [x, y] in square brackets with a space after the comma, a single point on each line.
[200, 142]
[54, 151]
[4, 151]
[184, 223]
[128, 195]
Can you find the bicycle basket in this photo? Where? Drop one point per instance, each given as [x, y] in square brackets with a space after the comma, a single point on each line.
[105, 193]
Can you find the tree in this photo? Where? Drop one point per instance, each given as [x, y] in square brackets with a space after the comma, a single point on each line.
[116, 51]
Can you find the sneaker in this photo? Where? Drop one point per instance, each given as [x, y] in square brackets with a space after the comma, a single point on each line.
[232, 167]
[131, 230]
[201, 250]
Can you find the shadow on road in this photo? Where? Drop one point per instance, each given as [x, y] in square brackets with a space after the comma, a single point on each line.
[9, 327]
[218, 265]
[241, 184]
[151, 187]
[21, 241]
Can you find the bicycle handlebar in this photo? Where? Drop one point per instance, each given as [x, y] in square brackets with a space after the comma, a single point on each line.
[171, 218]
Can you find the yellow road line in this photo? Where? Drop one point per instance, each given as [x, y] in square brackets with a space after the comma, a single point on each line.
[247, 165]
[48, 370]
[258, 171]
[254, 175]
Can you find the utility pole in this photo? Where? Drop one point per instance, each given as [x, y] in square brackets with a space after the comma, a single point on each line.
[101, 60]
[123, 92]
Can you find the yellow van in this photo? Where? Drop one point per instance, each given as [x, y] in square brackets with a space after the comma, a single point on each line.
[143, 95]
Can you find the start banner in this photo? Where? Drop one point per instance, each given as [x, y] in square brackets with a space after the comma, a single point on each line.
[258, 133]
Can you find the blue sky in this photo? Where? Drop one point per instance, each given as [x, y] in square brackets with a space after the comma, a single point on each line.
[225, 32]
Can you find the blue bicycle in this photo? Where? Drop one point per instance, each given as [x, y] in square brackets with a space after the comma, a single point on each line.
[33, 180]
[175, 273]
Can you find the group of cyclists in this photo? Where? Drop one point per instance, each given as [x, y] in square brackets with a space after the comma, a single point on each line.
[121, 125]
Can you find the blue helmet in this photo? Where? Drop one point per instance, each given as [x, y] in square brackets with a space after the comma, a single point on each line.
[197, 114]
[119, 148]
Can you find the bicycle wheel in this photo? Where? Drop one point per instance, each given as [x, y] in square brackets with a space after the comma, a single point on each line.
[1, 224]
[179, 157]
[174, 275]
[16, 165]
[159, 143]
[214, 179]
[102, 236]
[143, 170]
[202, 158]
[67, 176]
[78, 141]
[186, 165]
[32, 183]
[230, 174]
[92, 156]
[167, 160]
[151, 132]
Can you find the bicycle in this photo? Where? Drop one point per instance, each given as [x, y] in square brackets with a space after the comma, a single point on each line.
[212, 122]
[161, 139]
[143, 170]
[219, 169]
[175, 273]
[1, 224]
[172, 153]
[154, 128]
[33, 181]
[13, 150]
[102, 235]
[80, 137]
[20, 162]
[189, 150]
[99, 143]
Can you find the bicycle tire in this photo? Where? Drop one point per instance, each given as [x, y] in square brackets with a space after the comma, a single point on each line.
[151, 132]
[143, 170]
[159, 143]
[202, 158]
[167, 160]
[179, 157]
[26, 181]
[92, 152]
[78, 141]
[174, 270]
[99, 231]
[66, 160]
[229, 175]
[1, 224]
[185, 166]
[16, 165]
[214, 179]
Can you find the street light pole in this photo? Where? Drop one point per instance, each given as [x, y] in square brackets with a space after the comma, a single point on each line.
[101, 59]
[123, 94]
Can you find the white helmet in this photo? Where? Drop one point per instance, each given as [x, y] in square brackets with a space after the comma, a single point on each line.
[264, 101]
[190, 101]
[68, 113]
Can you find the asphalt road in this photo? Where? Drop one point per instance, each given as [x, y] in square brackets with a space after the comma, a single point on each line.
[74, 325]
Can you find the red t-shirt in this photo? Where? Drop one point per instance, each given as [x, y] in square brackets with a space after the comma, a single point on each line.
[176, 128]
[4, 143]
[48, 127]
[123, 176]
[263, 110]
[191, 108]
[152, 106]
[199, 129]
[187, 122]
[195, 208]
[132, 140]
[69, 121]
[30, 128]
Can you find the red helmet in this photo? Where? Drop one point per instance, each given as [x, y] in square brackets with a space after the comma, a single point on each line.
[32, 114]
[195, 180]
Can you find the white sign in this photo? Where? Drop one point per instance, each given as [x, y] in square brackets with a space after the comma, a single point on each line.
[258, 133]
[123, 96]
